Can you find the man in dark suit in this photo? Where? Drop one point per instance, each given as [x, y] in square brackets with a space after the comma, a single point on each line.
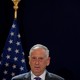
[38, 60]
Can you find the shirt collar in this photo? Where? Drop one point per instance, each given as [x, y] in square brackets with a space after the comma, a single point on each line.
[42, 76]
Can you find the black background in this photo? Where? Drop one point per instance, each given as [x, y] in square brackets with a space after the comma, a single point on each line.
[53, 23]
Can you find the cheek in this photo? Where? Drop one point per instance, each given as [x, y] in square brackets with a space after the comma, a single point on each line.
[47, 62]
[31, 63]
[44, 63]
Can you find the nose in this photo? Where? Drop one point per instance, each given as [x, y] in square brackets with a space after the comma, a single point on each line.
[37, 61]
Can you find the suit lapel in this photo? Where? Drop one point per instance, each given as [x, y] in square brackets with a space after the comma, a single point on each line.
[47, 76]
[27, 77]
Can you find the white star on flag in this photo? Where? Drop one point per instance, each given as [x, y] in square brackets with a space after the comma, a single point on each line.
[15, 59]
[21, 68]
[12, 33]
[19, 36]
[18, 43]
[22, 60]
[13, 74]
[14, 66]
[5, 72]
[7, 64]
[8, 56]
[9, 49]
[10, 41]
[13, 26]
[16, 51]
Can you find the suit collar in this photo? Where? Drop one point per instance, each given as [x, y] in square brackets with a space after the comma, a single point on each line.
[27, 76]
[47, 75]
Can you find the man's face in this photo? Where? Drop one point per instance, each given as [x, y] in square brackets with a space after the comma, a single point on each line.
[38, 61]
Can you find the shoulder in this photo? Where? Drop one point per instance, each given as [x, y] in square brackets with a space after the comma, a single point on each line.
[54, 76]
[21, 76]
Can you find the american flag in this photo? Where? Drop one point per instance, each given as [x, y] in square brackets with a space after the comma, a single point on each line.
[12, 59]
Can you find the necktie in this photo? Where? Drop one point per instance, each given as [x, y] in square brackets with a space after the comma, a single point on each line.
[37, 78]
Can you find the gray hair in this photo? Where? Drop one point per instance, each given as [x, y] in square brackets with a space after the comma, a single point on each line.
[39, 46]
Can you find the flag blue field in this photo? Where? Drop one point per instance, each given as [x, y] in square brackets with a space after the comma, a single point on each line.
[13, 58]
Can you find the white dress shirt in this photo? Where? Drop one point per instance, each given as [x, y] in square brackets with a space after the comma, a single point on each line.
[42, 76]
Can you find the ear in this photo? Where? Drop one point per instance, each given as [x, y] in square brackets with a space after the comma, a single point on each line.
[29, 59]
[48, 61]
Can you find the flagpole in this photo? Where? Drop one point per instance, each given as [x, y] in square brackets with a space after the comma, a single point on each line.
[15, 7]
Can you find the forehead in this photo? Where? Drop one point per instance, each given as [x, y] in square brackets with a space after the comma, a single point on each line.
[38, 51]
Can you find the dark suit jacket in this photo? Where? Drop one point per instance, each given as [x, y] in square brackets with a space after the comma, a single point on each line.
[27, 76]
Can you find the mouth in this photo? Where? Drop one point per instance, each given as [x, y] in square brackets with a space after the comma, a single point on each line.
[37, 68]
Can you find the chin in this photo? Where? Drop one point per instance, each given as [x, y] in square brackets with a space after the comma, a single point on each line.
[37, 74]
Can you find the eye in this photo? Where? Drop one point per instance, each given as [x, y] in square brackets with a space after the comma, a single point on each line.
[41, 58]
[33, 58]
